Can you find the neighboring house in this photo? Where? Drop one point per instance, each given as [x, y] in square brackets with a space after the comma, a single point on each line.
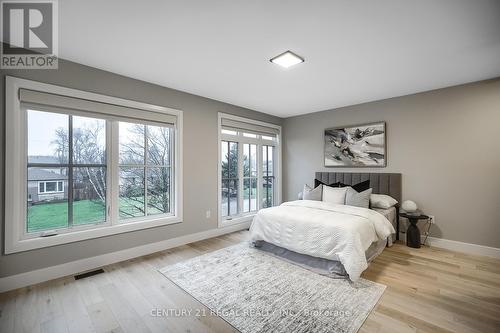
[43, 159]
[45, 185]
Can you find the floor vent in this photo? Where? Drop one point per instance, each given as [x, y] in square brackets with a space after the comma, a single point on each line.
[87, 274]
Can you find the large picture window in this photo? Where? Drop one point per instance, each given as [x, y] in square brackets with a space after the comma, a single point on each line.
[93, 165]
[65, 149]
[145, 170]
[248, 167]
[49, 187]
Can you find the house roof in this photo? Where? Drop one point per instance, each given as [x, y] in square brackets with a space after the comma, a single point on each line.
[38, 174]
[43, 159]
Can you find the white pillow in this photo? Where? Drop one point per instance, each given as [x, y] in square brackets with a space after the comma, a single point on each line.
[334, 195]
[382, 201]
[312, 193]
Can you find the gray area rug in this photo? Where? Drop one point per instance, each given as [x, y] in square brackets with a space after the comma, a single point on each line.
[257, 292]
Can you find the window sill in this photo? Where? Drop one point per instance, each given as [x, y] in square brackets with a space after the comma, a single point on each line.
[236, 220]
[70, 237]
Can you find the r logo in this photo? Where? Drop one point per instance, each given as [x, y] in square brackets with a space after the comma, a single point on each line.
[27, 27]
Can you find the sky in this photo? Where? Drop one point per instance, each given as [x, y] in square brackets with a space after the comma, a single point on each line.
[41, 131]
[42, 127]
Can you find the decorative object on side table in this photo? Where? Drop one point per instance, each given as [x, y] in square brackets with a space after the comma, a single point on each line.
[409, 206]
[413, 233]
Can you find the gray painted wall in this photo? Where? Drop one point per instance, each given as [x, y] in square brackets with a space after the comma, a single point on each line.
[444, 142]
[200, 161]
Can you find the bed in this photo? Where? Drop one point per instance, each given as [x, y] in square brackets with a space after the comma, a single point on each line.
[334, 240]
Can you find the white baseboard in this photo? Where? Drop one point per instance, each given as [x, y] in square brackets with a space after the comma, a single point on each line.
[45, 274]
[468, 248]
[452, 245]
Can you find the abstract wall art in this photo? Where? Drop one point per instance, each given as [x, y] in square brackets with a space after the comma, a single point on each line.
[356, 146]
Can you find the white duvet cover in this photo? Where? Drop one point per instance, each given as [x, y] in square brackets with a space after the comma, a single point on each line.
[324, 230]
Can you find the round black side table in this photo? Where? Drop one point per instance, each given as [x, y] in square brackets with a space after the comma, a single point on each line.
[413, 233]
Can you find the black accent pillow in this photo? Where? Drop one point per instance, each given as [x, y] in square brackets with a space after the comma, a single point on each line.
[319, 182]
[359, 187]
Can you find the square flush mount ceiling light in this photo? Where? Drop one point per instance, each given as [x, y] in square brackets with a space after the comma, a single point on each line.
[287, 59]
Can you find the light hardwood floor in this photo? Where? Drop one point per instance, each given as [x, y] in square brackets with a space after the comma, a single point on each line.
[428, 290]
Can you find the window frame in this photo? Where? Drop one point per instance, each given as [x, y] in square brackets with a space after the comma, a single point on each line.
[250, 178]
[34, 236]
[224, 221]
[45, 187]
[265, 175]
[69, 165]
[16, 170]
[146, 165]
[229, 179]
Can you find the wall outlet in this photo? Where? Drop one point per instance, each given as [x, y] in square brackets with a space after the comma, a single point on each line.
[432, 219]
[208, 214]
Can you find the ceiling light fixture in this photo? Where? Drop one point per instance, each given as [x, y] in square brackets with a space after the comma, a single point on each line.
[287, 59]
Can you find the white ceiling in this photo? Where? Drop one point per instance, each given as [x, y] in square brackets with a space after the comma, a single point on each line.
[355, 51]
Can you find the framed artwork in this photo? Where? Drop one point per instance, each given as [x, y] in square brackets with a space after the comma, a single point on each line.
[356, 146]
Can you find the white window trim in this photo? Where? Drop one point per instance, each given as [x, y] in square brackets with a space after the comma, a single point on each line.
[245, 217]
[15, 174]
[45, 187]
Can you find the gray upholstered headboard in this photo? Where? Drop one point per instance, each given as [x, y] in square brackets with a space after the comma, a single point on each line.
[381, 183]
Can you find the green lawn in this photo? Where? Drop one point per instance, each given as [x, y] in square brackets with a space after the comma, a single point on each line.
[55, 215]
[49, 216]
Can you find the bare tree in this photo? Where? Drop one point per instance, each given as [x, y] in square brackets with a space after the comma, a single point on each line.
[148, 147]
[145, 157]
[88, 148]
[61, 143]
